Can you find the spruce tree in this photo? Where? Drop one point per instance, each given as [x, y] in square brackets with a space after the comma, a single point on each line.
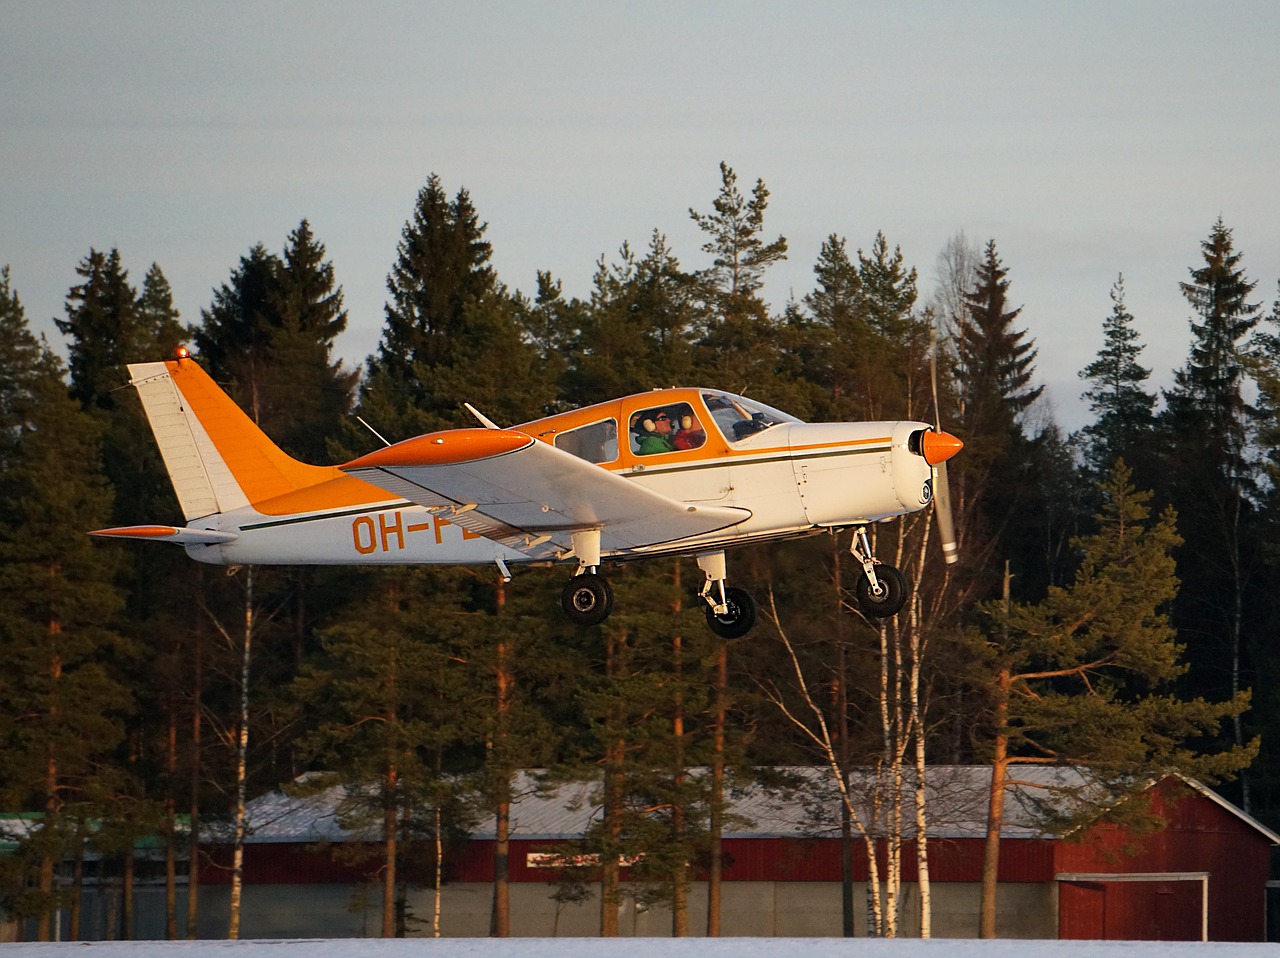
[102, 323]
[1210, 476]
[996, 362]
[1002, 476]
[441, 270]
[1124, 411]
[269, 335]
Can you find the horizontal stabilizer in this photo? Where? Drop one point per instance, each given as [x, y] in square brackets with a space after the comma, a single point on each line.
[184, 536]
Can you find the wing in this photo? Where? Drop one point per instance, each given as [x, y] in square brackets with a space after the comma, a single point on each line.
[530, 496]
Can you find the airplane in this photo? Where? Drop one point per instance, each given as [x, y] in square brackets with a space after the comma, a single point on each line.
[672, 472]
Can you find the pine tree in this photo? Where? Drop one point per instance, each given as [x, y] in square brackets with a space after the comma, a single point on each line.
[738, 347]
[394, 699]
[153, 581]
[635, 332]
[1265, 604]
[1084, 678]
[61, 699]
[1124, 411]
[835, 352]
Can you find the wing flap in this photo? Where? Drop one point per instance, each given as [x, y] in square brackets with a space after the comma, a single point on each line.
[531, 496]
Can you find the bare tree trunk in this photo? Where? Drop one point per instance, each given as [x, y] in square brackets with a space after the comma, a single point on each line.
[715, 871]
[610, 884]
[921, 811]
[680, 878]
[995, 812]
[390, 848]
[77, 886]
[170, 826]
[197, 721]
[242, 765]
[439, 874]
[500, 916]
[126, 892]
[500, 925]
[49, 919]
[842, 740]
[995, 802]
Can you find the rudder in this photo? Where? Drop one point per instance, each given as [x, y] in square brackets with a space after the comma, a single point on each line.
[217, 458]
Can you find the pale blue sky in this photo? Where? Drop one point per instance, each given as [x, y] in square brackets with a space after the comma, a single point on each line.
[1088, 139]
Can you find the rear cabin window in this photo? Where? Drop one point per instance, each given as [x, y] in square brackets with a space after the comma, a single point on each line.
[597, 442]
[662, 429]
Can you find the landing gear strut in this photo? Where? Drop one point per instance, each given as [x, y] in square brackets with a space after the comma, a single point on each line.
[881, 589]
[731, 612]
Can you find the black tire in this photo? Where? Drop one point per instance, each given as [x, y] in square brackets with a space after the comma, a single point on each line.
[888, 599]
[587, 599]
[740, 617]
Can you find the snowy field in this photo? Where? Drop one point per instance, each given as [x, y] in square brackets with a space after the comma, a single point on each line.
[642, 948]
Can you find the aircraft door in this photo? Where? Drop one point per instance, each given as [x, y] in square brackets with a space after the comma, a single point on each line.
[673, 453]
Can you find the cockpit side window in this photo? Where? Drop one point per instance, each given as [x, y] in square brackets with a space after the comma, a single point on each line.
[597, 442]
[738, 417]
[674, 427]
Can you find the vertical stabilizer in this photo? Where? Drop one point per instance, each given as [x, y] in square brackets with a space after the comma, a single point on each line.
[217, 458]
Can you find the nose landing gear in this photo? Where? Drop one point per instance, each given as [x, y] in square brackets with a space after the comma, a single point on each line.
[881, 589]
[731, 612]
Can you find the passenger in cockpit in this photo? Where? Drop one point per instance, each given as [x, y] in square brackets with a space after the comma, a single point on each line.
[691, 434]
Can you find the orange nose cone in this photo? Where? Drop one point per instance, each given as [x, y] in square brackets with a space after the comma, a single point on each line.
[938, 447]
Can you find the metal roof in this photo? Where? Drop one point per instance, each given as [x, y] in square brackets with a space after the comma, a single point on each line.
[956, 803]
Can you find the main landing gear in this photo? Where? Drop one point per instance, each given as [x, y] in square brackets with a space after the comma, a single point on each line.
[881, 589]
[587, 598]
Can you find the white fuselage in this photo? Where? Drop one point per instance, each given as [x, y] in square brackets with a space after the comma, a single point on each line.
[793, 478]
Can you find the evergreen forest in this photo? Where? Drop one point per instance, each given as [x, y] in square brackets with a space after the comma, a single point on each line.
[1111, 608]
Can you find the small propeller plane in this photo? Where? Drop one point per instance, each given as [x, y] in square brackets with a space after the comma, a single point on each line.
[670, 472]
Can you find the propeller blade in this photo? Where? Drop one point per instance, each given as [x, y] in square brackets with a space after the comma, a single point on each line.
[942, 509]
[947, 446]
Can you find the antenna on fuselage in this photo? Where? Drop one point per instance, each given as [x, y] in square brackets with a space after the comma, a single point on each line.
[372, 430]
[484, 420]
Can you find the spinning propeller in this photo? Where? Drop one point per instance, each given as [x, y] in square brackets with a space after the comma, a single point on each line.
[941, 487]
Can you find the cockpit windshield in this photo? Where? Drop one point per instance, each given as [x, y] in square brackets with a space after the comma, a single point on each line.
[738, 417]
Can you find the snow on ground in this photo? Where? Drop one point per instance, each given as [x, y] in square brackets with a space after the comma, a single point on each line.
[640, 948]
